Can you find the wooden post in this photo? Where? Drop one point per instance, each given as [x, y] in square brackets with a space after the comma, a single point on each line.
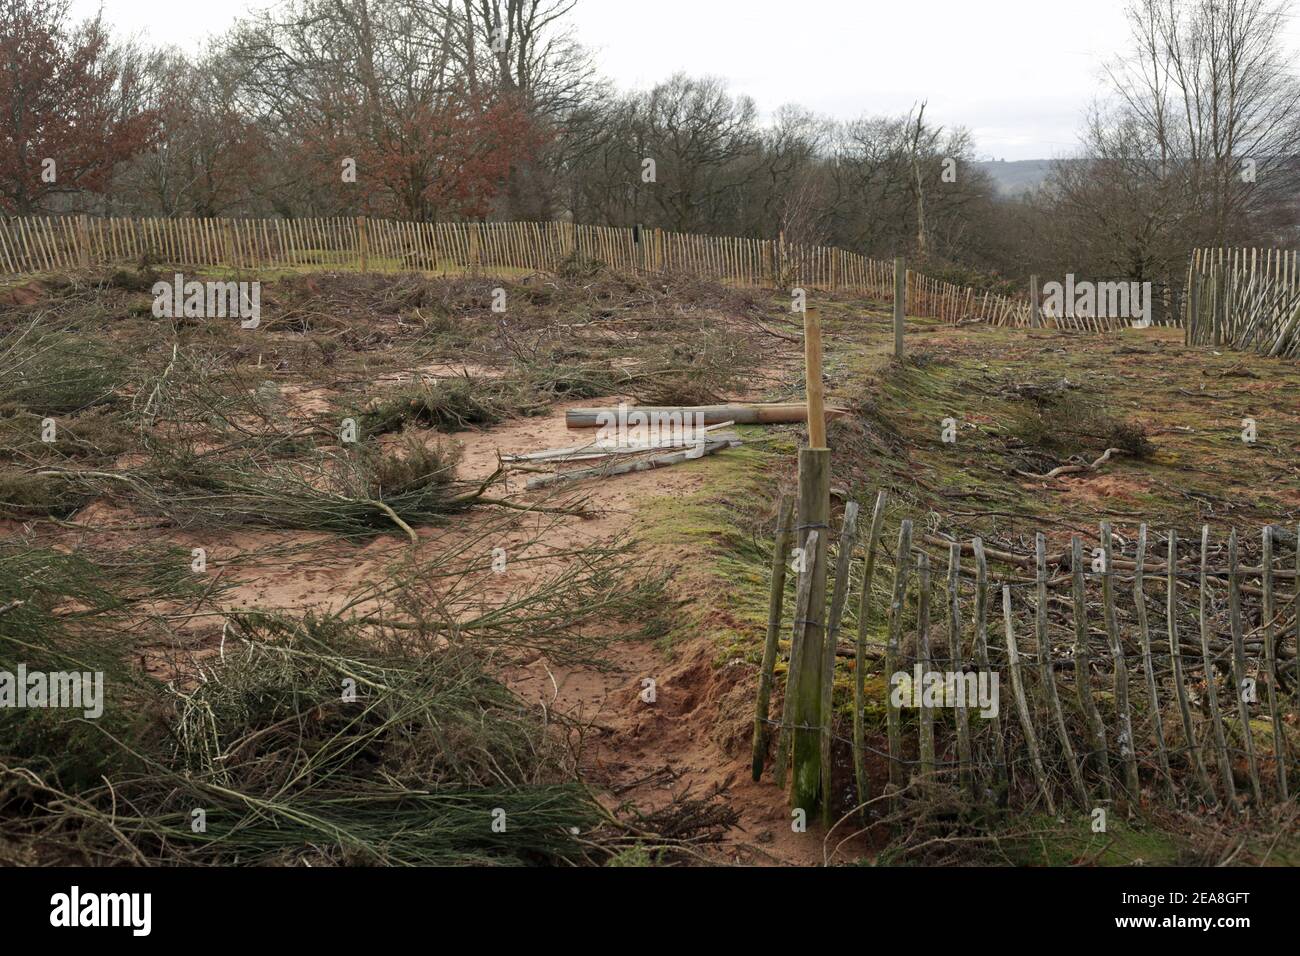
[1180, 683]
[802, 597]
[923, 659]
[982, 660]
[1035, 305]
[1022, 703]
[1083, 671]
[900, 306]
[840, 596]
[1123, 710]
[1239, 665]
[776, 603]
[1047, 674]
[1211, 689]
[1148, 664]
[1270, 665]
[892, 649]
[860, 653]
[814, 514]
[816, 388]
[957, 666]
[363, 242]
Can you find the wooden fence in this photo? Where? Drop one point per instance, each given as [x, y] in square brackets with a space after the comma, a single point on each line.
[38, 244]
[1144, 668]
[1246, 299]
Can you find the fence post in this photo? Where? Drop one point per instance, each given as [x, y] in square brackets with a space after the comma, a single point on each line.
[784, 518]
[1035, 305]
[1123, 711]
[1207, 659]
[1022, 703]
[892, 650]
[900, 304]
[1270, 658]
[363, 242]
[814, 515]
[1239, 665]
[860, 651]
[840, 596]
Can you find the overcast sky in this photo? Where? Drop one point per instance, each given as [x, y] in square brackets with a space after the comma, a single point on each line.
[1019, 73]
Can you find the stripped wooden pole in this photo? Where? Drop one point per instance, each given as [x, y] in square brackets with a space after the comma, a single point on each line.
[1047, 673]
[1239, 665]
[1124, 713]
[1148, 664]
[892, 650]
[860, 653]
[363, 242]
[1022, 703]
[803, 596]
[1083, 671]
[957, 667]
[982, 661]
[1211, 685]
[1270, 664]
[924, 662]
[839, 598]
[776, 604]
[1180, 682]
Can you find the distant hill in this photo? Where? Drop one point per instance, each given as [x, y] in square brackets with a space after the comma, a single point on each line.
[1013, 178]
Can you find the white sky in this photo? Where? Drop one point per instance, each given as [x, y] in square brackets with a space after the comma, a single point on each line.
[1019, 73]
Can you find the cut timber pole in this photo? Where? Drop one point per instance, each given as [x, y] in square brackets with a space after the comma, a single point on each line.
[784, 519]
[741, 414]
[1035, 305]
[1022, 703]
[900, 305]
[840, 596]
[860, 654]
[363, 243]
[814, 515]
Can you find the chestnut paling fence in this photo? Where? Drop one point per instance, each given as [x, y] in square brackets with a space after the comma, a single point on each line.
[1148, 668]
[1246, 299]
[36, 244]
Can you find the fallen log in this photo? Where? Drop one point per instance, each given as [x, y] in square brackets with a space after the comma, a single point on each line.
[743, 414]
[1071, 469]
